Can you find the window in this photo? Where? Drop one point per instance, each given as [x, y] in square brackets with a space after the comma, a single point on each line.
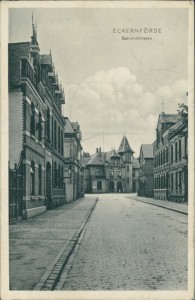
[62, 142]
[111, 172]
[176, 181]
[54, 175]
[59, 179]
[97, 172]
[119, 173]
[186, 145]
[127, 168]
[167, 155]
[32, 122]
[171, 153]
[127, 179]
[62, 177]
[32, 171]
[40, 127]
[180, 181]
[179, 149]
[59, 139]
[40, 179]
[176, 152]
[48, 124]
[55, 135]
[99, 185]
[172, 181]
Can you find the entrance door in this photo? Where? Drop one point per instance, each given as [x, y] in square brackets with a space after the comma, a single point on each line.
[111, 187]
[119, 187]
[48, 186]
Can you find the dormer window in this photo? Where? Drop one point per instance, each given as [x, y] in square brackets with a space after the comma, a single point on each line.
[97, 172]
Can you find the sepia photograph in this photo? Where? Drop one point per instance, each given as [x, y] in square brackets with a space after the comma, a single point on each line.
[97, 135]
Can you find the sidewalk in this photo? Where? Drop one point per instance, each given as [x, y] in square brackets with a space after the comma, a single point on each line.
[178, 207]
[35, 243]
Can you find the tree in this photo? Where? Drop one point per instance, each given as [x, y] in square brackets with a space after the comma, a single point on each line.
[183, 112]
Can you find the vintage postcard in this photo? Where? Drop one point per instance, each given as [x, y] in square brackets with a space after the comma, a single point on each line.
[97, 150]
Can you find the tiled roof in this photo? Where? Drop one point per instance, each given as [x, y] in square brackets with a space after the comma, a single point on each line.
[124, 146]
[168, 118]
[114, 154]
[46, 59]
[97, 159]
[68, 127]
[147, 150]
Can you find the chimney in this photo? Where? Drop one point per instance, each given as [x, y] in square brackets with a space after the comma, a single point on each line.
[100, 151]
[96, 150]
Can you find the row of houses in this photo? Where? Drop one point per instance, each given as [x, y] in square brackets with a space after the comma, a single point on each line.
[164, 164]
[160, 172]
[45, 168]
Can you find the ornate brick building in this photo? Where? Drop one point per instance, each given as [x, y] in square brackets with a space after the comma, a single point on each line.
[73, 162]
[170, 159]
[36, 126]
[146, 171]
[109, 172]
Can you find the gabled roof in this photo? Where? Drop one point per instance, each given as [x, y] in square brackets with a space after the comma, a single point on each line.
[68, 126]
[97, 159]
[124, 146]
[113, 154]
[147, 150]
[168, 118]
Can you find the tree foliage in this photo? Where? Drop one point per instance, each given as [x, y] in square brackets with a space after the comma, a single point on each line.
[183, 112]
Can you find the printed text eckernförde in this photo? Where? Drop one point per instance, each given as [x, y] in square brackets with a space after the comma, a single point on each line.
[137, 30]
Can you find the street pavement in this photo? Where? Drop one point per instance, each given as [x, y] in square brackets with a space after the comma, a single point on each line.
[129, 245]
[35, 243]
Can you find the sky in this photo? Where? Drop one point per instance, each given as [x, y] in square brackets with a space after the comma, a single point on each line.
[113, 86]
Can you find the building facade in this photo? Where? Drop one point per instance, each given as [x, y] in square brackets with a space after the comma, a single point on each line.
[146, 171]
[170, 159]
[73, 161]
[36, 126]
[109, 172]
[136, 170]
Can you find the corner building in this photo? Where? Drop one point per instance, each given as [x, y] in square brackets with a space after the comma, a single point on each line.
[36, 127]
[109, 172]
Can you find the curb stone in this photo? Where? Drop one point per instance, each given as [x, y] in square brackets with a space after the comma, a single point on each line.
[53, 272]
[169, 208]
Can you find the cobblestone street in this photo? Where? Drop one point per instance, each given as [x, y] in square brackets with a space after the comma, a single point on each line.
[129, 245]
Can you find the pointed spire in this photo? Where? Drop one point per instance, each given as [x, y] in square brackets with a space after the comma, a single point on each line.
[124, 146]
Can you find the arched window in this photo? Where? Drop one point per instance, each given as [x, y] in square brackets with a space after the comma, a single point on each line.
[54, 174]
[32, 121]
[32, 174]
[40, 179]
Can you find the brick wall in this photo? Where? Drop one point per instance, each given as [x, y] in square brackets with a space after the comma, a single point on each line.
[15, 126]
[15, 51]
